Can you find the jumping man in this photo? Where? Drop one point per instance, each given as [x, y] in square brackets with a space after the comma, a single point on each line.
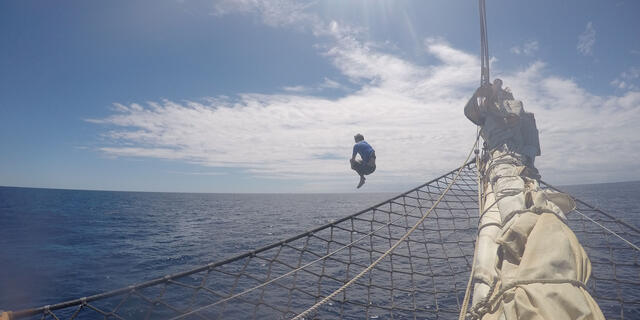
[368, 163]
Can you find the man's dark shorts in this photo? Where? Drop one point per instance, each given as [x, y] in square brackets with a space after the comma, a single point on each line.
[362, 169]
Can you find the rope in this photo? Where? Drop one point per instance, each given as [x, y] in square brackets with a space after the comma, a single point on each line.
[484, 306]
[611, 231]
[208, 274]
[635, 229]
[606, 214]
[481, 308]
[290, 272]
[395, 245]
[410, 285]
[467, 293]
[484, 80]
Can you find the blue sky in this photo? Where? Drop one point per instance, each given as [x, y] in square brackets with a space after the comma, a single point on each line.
[265, 96]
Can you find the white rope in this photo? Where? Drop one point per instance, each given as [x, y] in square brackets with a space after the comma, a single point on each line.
[485, 306]
[395, 245]
[611, 231]
[292, 271]
[467, 293]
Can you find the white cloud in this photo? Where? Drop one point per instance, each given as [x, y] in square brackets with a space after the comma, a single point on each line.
[411, 114]
[586, 40]
[401, 110]
[528, 48]
[584, 137]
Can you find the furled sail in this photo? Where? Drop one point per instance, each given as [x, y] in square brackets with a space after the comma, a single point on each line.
[529, 265]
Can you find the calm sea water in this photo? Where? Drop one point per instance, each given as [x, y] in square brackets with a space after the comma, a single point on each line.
[57, 245]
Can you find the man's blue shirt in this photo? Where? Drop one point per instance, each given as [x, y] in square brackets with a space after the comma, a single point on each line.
[364, 149]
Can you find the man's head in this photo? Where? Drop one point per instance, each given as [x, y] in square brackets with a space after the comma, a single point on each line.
[497, 86]
[358, 137]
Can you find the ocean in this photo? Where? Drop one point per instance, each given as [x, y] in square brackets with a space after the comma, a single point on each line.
[57, 245]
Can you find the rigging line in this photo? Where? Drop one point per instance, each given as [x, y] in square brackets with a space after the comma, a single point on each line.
[294, 270]
[484, 80]
[400, 241]
[467, 293]
[611, 231]
[484, 45]
[596, 209]
[142, 285]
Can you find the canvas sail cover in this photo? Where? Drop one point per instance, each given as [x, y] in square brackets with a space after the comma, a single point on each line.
[529, 264]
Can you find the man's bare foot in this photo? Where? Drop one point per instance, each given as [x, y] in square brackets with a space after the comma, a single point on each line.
[361, 182]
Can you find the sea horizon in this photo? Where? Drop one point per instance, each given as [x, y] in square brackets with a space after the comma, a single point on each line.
[258, 193]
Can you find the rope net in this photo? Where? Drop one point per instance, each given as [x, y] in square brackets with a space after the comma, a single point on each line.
[424, 278]
[615, 275]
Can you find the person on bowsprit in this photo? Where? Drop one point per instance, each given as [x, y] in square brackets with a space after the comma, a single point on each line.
[506, 126]
[367, 165]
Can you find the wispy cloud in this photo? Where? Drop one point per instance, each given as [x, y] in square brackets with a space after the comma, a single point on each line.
[199, 173]
[327, 84]
[411, 113]
[627, 79]
[528, 48]
[297, 89]
[586, 40]
[331, 84]
[272, 12]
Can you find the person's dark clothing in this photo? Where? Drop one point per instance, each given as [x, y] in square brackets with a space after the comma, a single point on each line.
[363, 168]
[368, 155]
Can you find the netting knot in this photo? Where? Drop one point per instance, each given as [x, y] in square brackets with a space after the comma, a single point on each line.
[83, 300]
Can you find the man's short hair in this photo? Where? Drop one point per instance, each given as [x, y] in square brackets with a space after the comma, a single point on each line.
[358, 137]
